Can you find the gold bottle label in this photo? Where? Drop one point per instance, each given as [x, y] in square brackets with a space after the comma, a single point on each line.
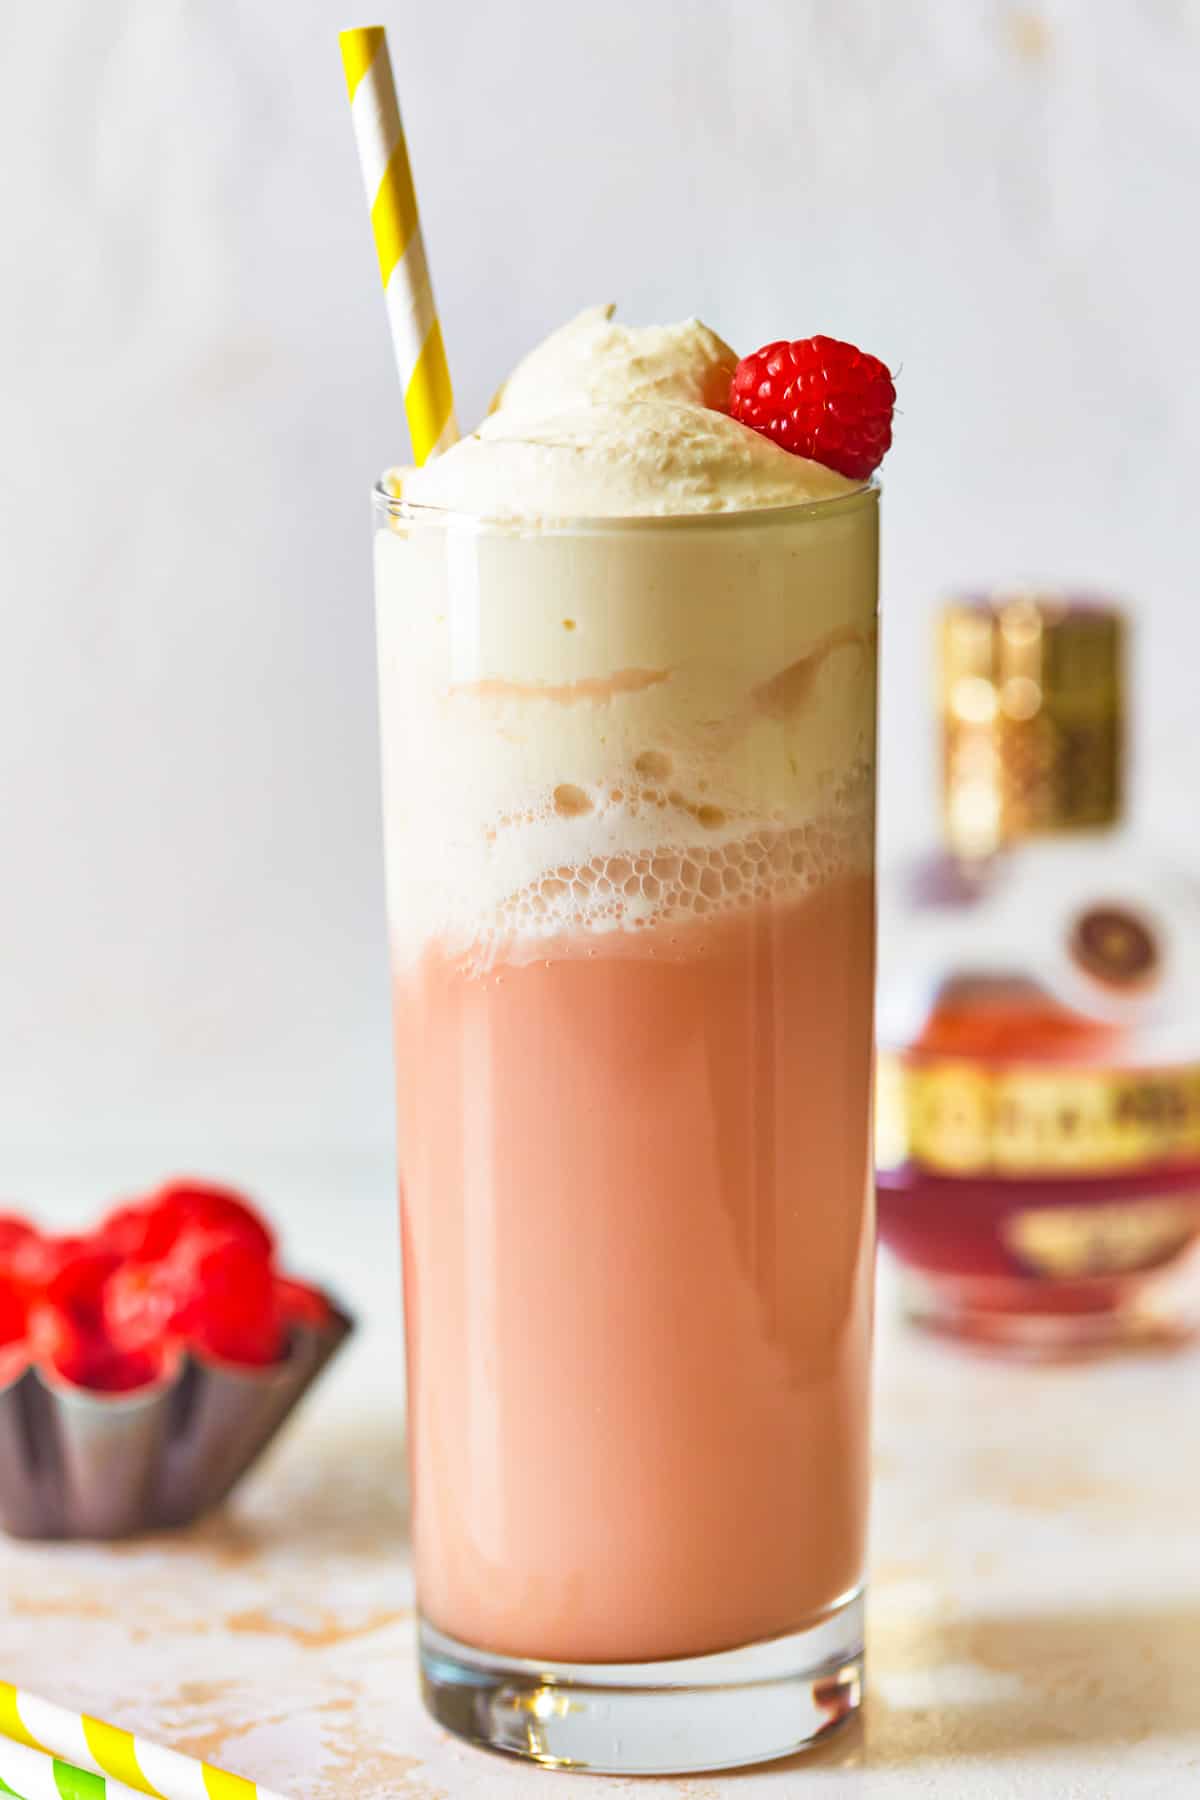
[1070, 1243]
[957, 1117]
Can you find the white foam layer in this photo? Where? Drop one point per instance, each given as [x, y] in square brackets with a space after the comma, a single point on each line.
[708, 760]
[663, 876]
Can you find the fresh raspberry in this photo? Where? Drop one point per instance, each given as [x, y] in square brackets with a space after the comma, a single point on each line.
[148, 1229]
[126, 1228]
[819, 398]
[79, 1356]
[301, 1304]
[68, 1272]
[65, 1279]
[228, 1304]
[141, 1303]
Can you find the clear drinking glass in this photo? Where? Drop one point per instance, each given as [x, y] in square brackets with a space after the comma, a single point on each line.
[629, 803]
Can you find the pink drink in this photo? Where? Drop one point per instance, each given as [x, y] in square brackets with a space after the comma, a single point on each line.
[638, 1282]
[628, 792]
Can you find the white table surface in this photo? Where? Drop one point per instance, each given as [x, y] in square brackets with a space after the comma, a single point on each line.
[1035, 1598]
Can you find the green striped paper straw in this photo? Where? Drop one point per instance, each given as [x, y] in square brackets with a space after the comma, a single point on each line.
[28, 1775]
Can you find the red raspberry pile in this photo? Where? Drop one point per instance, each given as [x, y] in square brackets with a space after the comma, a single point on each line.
[191, 1267]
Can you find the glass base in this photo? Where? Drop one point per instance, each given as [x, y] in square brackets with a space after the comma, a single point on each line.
[1042, 1321]
[742, 1706]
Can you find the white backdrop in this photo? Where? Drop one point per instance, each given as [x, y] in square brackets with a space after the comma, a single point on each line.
[197, 393]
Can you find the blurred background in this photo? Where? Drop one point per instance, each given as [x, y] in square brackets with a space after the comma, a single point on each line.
[198, 391]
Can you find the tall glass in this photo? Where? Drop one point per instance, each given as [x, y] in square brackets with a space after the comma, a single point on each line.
[629, 800]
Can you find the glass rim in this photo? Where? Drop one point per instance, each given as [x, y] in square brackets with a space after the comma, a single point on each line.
[593, 524]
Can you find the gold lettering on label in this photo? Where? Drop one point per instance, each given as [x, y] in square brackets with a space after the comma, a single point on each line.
[965, 1118]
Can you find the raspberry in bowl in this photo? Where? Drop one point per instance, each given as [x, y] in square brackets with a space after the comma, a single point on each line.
[145, 1364]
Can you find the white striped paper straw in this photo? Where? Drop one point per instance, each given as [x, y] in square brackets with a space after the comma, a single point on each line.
[42, 1742]
[396, 225]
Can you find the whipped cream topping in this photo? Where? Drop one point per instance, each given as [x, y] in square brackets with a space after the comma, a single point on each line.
[604, 420]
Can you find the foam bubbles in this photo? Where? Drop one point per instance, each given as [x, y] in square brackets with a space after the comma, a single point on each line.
[671, 861]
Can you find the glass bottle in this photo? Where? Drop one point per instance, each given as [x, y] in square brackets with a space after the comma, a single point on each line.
[1038, 1085]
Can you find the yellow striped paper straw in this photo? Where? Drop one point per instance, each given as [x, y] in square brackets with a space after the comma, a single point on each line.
[79, 1742]
[387, 177]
